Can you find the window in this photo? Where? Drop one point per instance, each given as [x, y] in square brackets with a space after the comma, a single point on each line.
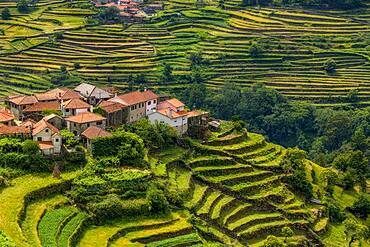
[149, 102]
[74, 124]
[154, 101]
[88, 125]
[67, 110]
[46, 130]
[57, 140]
[39, 139]
[99, 123]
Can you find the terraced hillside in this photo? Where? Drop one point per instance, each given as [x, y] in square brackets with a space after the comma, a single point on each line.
[296, 45]
[237, 190]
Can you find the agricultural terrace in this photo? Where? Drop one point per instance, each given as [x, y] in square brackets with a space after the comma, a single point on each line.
[295, 46]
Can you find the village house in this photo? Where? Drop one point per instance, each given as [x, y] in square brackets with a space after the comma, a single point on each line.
[18, 103]
[63, 94]
[198, 118]
[37, 110]
[55, 120]
[171, 112]
[79, 123]
[6, 117]
[92, 133]
[15, 131]
[74, 107]
[116, 113]
[48, 137]
[28, 123]
[92, 94]
[140, 104]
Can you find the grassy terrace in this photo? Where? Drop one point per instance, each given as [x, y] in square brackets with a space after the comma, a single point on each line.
[297, 43]
[244, 200]
[12, 199]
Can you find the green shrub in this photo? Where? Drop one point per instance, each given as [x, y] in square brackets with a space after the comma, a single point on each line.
[30, 147]
[361, 207]
[5, 241]
[156, 200]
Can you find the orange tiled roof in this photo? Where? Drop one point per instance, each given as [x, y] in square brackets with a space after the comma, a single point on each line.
[45, 145]
[75, 104]
[138, 97]
[85, 117]
[41, 125]
[175, 114]
[5, 115]
[22, 99]
[43, 106]
[175, 102]
[13, 130]
[111, 107]
[29, 123]
[46, 96]
[95, 132]
[64, 93]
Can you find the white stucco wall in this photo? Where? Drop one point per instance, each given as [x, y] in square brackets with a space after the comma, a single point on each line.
[180, 123]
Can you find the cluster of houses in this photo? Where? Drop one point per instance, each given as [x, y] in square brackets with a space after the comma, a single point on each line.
[87, 111]
[131, 10]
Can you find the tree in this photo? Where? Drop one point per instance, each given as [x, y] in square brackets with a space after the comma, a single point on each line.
[5, 14]
[361, 207]
[330, 66]
[157, 200]
[221, 4]
[23, 6]
[353, 96]
[354, 231]
[30, 147]
[286, 232]
[110, 14]
[167, 75]
[273, 241]
[255, 50]
[359, 139]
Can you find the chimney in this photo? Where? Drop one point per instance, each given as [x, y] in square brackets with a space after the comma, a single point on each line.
[170, 112]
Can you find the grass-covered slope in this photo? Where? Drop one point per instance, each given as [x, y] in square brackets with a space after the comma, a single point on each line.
[296, 44]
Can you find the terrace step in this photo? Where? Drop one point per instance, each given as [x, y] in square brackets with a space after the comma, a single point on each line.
[253, 188]
[233, 179]
[222, 170]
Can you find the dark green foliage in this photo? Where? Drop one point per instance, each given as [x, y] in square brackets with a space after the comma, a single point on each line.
[330, 66]
[167, 75]
[273, 241]
[127, 147]
[155, 136]
[361, 207]
[30, 147]
[69, 139]
[293, 164]
[108, 15]
[255, 50]
[157, 200]
[5, 14]
[334, 212]
[23, 6]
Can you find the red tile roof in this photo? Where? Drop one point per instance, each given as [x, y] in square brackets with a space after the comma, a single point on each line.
[43, 106]
[137, 97]
[76, 104]
[85, 117]
[166, 112]
[171, 103]
[5, 115]
[41, 125]
[29, 123]
[95, 132]
[46, 96]
[111, 107]
[64, 93]
[45, 145]
[196, 113]
[22, 99]
[13, 130]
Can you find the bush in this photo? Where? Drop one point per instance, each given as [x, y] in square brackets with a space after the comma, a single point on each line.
[330, 66]
[23, 6]
[30, 147]
[157, 201]
[361, 207]
[5, 241]
[127, 147]
[255, 50]
[335, 214]
[5, 14]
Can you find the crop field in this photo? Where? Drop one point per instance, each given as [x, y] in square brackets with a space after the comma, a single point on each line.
[296, 44]
[236, 189]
